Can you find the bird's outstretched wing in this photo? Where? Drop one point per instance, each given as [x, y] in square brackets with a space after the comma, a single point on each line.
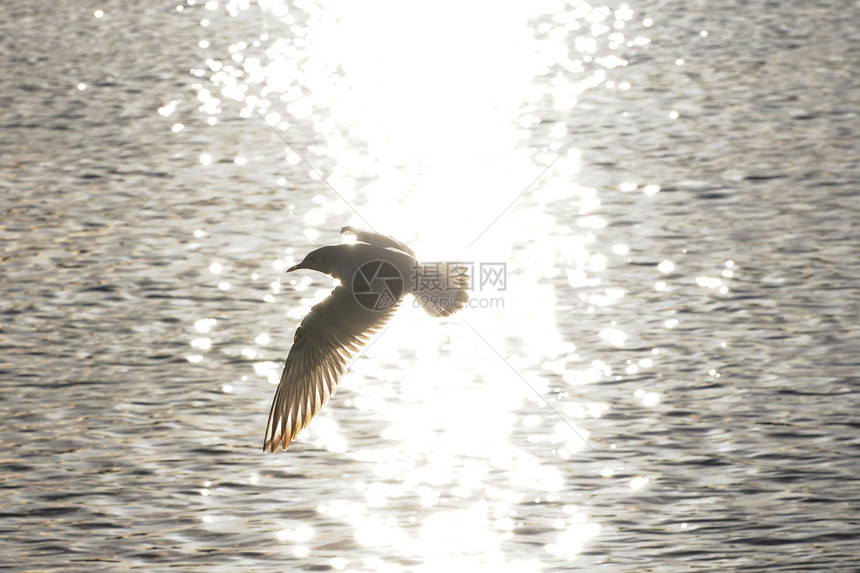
[376, 239]
[327, 339]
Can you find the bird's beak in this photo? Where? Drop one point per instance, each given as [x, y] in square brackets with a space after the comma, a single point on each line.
[295, 268]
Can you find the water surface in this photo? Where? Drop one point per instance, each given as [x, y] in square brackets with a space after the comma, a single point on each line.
[681, 285]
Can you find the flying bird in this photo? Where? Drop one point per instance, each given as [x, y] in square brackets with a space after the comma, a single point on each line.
[375, 272]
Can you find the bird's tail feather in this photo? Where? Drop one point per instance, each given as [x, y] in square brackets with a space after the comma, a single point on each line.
[441, 289]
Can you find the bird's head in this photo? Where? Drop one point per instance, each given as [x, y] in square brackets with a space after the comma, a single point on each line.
[324, 260]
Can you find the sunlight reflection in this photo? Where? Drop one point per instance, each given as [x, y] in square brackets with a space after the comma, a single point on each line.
[639, 482]
[571, 541]
[647, 398]
[269, 370]
[205, 325]
[613, 336]
[302, 533]
[432, 138]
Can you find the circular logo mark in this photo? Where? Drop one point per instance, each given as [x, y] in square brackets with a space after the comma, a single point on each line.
[377, 285]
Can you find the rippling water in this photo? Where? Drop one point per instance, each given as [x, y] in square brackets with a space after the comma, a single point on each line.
[672, 189]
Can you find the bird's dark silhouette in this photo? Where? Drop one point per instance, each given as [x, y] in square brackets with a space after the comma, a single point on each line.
[375, 273]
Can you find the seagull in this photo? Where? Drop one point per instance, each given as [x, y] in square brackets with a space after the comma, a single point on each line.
[375, 272]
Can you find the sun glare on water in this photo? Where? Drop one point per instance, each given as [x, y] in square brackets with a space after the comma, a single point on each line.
[432, 122]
